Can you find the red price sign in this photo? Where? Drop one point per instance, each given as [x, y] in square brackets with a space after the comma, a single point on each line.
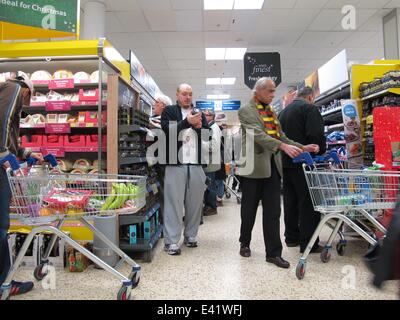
[58, 106]
[61, 84]
[55, 128]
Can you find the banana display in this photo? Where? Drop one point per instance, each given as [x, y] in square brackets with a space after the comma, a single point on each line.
[122, 196]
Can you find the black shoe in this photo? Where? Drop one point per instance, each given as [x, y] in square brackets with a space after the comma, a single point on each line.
[292, 244]
[245, 251]
[279, 262]
[208, 211]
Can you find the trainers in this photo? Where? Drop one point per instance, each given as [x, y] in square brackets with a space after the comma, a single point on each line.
[18, 288]
[190, 242]
[172, 249]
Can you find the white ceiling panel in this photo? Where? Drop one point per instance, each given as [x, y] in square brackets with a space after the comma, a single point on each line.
[312, 39]
[339, 4]
[187, 4]
[148, 53]
[183, 53]
[186, 64]
[155, 4]
[159, 67]
[189, 20]
[180, 39]
[315, 4]
[393, 4]
[361, 39]
[243, 20]
[279, 19]
[161, 20]
[326, 20]
[375, 23]
[132, 21]
[278, 4]
[217, 20]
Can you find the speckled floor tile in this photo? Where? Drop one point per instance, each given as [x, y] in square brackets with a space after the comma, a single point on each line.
[215, 270]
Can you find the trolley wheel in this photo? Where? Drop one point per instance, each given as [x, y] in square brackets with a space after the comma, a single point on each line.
[238, 200]
[300, 270]
[135, 280]
[341, 249]
[326, 255]
[227, 195]
[38, 272]
[123, 293]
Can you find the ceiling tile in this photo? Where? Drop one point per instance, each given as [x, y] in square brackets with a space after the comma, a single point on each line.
[278, 4]
[187, 4]
[362, 16]
[161, 20]
[315, 4]
[393, 4]
[217, 20]
[243, 20]
[155, 4]
[375, 23]
[180, 39]
[189, 20]
[326, 20]
[280, 19]
[159, 67]
[183, 53]
[361, 39]
[132, 21]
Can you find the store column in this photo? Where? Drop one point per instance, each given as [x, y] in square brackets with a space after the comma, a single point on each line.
[94, 20]
[391, 35]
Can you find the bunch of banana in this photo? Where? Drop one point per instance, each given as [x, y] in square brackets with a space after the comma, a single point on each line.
[119, 195]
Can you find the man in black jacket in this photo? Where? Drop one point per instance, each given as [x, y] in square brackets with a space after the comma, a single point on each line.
[302, 122]
[185, 179]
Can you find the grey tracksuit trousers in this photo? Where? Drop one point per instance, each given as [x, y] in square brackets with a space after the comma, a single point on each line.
[184, 187]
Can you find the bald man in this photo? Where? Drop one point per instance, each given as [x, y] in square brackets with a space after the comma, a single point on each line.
[184, 175]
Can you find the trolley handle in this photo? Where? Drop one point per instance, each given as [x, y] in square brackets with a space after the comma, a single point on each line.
[12, 160]
[49, 158]
[309, 160]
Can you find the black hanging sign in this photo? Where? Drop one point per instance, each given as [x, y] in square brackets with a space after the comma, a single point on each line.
[262, 64]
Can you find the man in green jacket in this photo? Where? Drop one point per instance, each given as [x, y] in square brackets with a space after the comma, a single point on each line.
[262, 172]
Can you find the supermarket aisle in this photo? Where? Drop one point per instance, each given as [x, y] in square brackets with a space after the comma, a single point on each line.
[216, 271]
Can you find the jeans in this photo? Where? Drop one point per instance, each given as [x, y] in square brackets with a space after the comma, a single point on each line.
[5, 197]
[210, 196]
[220, 188]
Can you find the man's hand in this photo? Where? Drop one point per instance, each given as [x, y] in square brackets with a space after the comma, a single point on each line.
[195, 120]
[313, 148]
[37, 156]
[291, 151]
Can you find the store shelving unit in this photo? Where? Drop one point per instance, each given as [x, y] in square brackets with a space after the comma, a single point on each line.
[130, 134]
[333, 118]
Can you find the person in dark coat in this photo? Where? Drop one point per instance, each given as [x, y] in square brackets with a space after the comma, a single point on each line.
[302, 122]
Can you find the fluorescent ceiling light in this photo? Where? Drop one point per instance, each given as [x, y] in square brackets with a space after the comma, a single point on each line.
[213, 81]
[218, 96]
[215, 53]
[228, 81]
[218, 4]
[248, 4]
[235, 53]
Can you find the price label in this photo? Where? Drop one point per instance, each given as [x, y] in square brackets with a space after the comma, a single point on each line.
[58, 105]
[61, 84]
[56, 128]
[57, 152]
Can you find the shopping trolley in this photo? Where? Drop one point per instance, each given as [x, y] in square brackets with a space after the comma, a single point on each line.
[45, 201]
[348, 197]
[232, 177]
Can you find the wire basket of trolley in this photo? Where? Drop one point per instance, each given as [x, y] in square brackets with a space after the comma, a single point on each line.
[346, 196]
[46, 199]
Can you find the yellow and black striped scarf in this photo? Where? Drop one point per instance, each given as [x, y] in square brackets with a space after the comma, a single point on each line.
[270, 121]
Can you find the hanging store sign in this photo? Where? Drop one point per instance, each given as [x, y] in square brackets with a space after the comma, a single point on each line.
[205, 105]
[259, 65]
[230, 105]
[29, 18]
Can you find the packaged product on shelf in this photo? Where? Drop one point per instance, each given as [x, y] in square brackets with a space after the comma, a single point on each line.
[83, 164]
[81, 77]
[94, 77]
[55, 96]
[77, 262]
[41, 76]
[65, 165]
[63, 118]
[63, 74]
[52, 118]
[78, 171]
[75, 141]
[38, 99]
[32, 141]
